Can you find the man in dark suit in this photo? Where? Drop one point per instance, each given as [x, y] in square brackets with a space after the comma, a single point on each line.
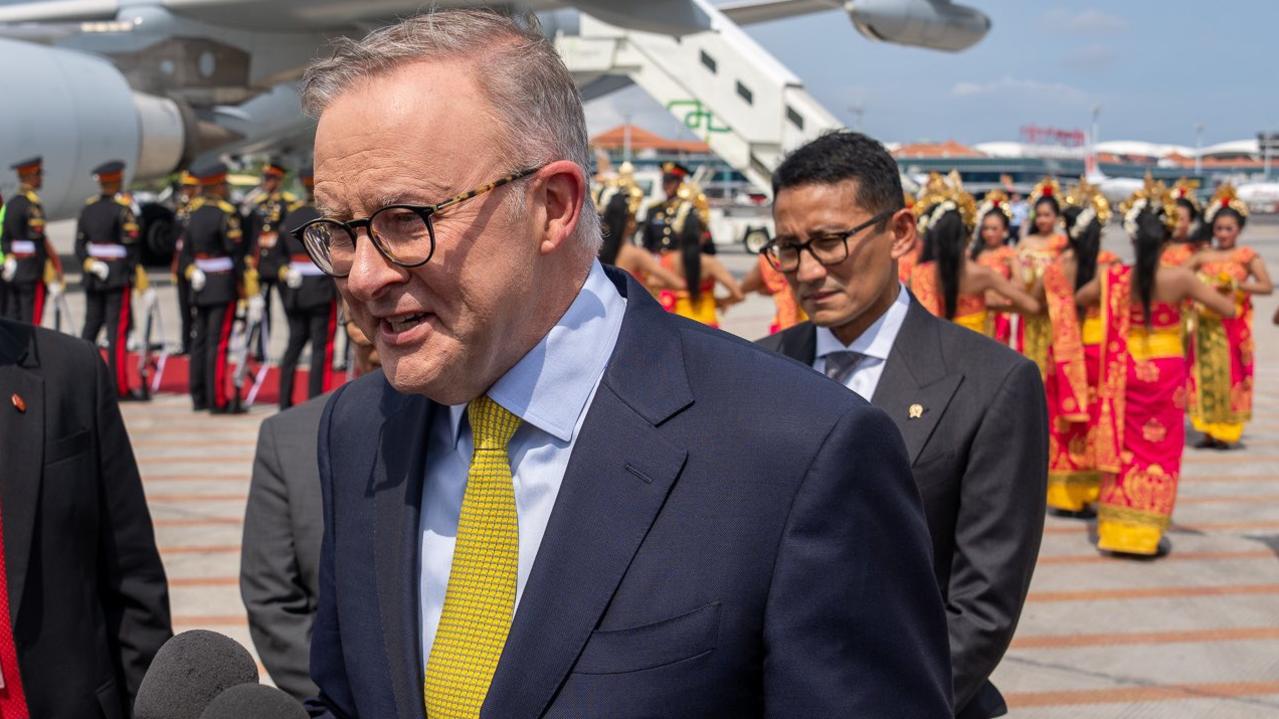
[557, 499]
[87, 605]
[283, 524]
[971, 411]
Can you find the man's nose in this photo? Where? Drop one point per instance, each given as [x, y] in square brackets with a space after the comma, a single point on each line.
[809, 269]
[371, 272]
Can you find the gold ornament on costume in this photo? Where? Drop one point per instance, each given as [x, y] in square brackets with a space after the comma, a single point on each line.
[950, 196]
[1153, 195]
[1047, 187]
[994, 200]
[1095, 206]
[1224, 197]
[1186, 189]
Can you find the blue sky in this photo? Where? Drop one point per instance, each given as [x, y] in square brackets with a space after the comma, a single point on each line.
[1157, 68]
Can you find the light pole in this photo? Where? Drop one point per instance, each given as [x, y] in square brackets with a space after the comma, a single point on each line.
[1095, 134]
[1199, 143]
[858, 112]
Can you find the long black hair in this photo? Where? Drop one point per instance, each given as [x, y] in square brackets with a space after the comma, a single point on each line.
[1152, 235]
[945, 242]
[690, 251]
[1085, 242]
[616, 217]
[980, 245]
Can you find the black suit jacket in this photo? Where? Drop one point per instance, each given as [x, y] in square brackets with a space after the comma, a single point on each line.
[713, 492]
[280, 553]
[87, 593]
[979, 453]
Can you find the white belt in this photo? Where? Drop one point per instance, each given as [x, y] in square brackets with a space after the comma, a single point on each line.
[23, 247]
[104, 251]
[306, 268]
[215, 264]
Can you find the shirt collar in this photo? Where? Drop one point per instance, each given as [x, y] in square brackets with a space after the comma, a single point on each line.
[549, 387]
[877, 341]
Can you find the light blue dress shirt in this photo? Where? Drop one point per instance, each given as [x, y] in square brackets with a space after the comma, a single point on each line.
[549, 389]
[874, 344]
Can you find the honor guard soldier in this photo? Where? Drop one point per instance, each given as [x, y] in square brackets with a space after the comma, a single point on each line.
[660, 233]
[213, 263]
[188, 189]
[310, 301]
[265, 211]
[24, 246]
[106, 245]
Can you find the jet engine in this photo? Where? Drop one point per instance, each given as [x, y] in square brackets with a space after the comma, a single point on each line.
[77, 111]
[934, 24]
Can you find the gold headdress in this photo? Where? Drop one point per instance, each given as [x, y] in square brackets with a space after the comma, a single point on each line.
[1224, 197]
[949, 196]
[1153, 195]
[1184, 189]
[1047, 187]
[994, 200]
[1095, 206]
[931, 193]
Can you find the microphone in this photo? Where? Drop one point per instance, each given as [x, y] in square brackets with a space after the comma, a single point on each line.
[189, 671]
[253, 701]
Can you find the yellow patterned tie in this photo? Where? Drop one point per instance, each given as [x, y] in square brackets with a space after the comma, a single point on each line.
[480, 599]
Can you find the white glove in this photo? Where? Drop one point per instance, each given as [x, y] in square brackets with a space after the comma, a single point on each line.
[257, 307]
[55, 290]
[148, 297]
[10, 268]
[198, 279]
[99, 269]
[292, 279]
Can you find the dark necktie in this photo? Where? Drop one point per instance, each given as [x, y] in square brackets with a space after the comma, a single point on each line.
[840, 365]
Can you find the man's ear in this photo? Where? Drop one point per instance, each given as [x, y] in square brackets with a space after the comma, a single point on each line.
[562, 190]
[902, 227]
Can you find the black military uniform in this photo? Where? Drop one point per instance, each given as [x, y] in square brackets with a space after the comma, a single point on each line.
[213, 262]
[662, 232]
[263, 219]
[182, 213]
[310, 303]
[24, 246]
[106, 245]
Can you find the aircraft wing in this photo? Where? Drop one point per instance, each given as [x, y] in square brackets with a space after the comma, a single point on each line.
[746, 12]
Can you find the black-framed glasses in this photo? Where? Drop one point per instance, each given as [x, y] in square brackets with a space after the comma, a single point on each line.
[403, 234]
[827, 248]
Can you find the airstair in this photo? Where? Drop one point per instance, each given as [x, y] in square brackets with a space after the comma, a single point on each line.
[720, 83]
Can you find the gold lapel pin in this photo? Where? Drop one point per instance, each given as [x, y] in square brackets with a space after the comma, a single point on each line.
[18, 403]
[915, 411]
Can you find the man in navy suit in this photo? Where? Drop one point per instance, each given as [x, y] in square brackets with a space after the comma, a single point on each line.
[556, 499]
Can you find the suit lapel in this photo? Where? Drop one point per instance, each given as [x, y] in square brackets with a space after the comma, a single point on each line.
[617, 480]
[916, 386]
[21, 452]
[800, 343]
[396, 485]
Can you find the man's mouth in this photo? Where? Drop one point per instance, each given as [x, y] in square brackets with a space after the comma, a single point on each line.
[404, 323]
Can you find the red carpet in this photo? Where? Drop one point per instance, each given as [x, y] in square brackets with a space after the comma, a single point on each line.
[177, 371]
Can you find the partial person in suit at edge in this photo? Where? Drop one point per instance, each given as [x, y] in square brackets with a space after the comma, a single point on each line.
[686, 567]
[280, 552]
[971, 411]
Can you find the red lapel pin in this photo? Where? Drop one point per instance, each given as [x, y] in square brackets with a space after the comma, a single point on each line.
[18, 403]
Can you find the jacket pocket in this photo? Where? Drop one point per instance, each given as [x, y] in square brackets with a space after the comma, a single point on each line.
[652, 645]
[66, 447]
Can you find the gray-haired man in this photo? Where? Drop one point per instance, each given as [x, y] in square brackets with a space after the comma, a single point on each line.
[556, 499]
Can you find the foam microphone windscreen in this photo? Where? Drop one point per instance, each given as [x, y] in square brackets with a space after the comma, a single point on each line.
[254, 701]
[189, 671]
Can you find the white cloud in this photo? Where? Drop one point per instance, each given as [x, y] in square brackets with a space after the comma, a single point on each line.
[1091, 57]
[1089, 20]
[1010, 86]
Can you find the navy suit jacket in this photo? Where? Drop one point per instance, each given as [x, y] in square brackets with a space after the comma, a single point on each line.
[735, 536]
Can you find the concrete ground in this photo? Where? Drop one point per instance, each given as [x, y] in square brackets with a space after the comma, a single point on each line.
[1193, 635]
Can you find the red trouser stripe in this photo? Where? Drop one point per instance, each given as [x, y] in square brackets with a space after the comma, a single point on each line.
[122, 344]
[37, 311]
[219, 363]
[328, 348]
[13, 700]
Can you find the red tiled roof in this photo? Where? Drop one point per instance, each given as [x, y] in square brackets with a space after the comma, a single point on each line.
[642, 139]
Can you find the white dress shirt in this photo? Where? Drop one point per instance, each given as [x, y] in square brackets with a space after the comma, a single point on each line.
[549, 389]
[874, 345]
